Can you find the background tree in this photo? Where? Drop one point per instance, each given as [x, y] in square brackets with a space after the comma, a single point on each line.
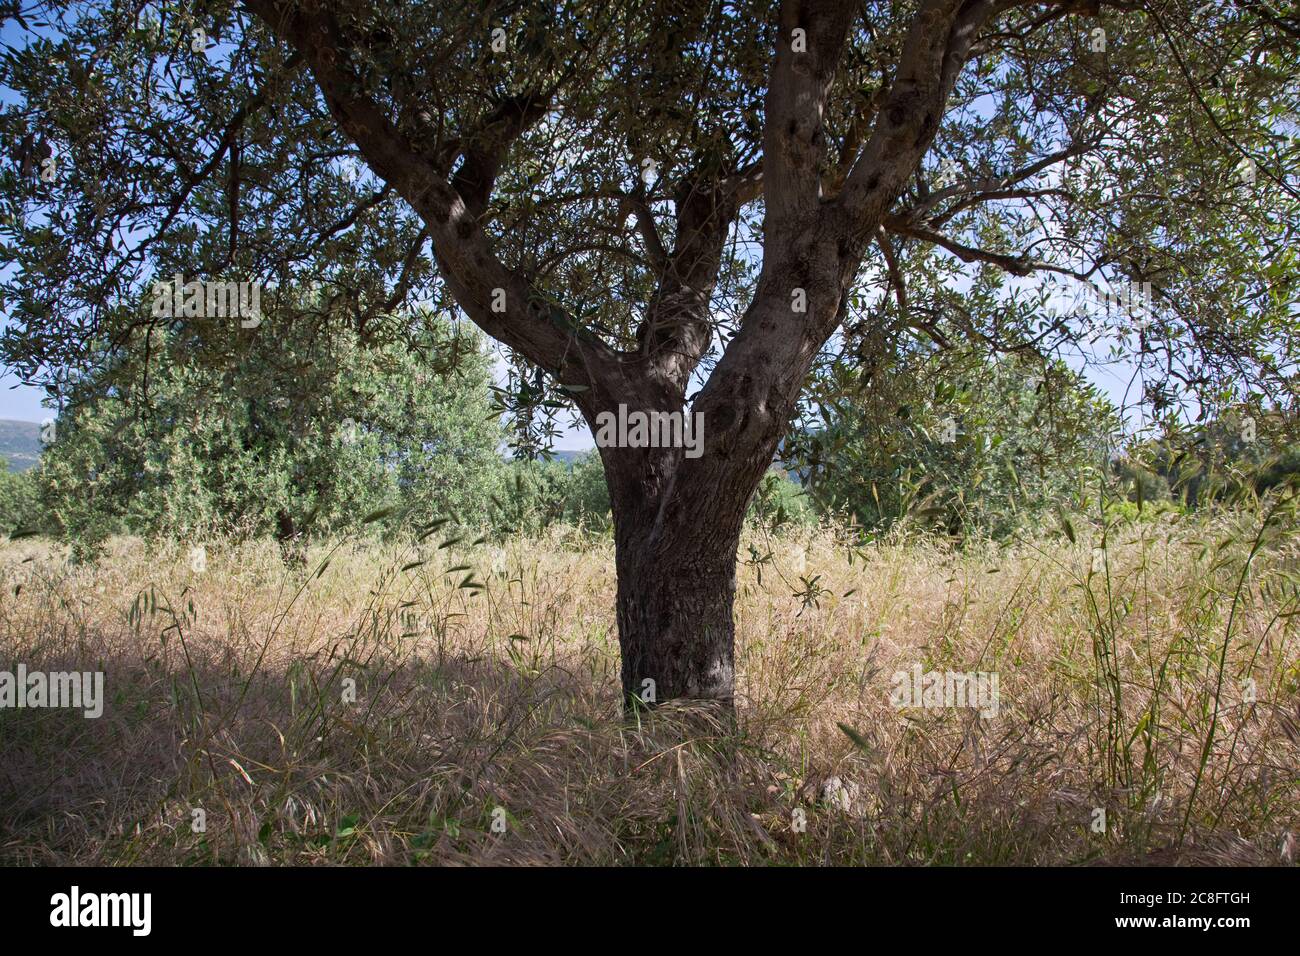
[303, 439]
[668, 204]
[953, 439]
[20, 507]
[1201, 463]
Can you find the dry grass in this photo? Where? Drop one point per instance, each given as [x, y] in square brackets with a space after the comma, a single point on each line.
[226, 693]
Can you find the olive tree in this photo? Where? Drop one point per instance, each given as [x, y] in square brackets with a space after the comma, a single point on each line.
[670, 205]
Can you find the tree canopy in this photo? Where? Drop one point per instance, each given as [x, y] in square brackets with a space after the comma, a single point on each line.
[601, 150]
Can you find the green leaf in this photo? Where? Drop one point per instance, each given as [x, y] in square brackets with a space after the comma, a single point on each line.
[856, 737]
[378, 514]
[1069, 528]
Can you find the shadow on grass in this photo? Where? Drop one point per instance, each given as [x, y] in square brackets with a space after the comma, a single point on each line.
[218, 757]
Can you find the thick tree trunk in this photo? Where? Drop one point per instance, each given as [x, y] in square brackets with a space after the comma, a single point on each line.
[676, 531]
[676, 588]
[677, 520]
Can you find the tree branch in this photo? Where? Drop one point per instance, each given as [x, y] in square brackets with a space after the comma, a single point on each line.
[497, 299]
[1016, 265]
[487, 148]
[809, 43]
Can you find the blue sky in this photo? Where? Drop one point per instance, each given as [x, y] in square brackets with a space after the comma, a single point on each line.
[21, 402]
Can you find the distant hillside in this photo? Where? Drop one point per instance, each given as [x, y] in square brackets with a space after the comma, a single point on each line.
[570, 455]
[567, 456]
[20, 443]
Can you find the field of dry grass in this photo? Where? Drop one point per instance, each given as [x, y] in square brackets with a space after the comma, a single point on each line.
[487, 725]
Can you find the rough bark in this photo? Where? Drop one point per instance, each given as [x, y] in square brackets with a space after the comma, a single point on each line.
[676, 591]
